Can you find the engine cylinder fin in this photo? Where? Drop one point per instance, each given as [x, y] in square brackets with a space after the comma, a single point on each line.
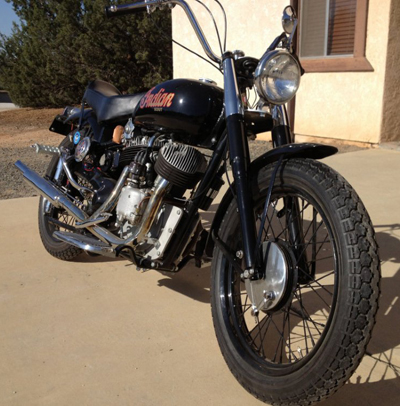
[134, 146]
[180, 164]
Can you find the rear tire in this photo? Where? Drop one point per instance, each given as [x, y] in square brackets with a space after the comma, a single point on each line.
[53, 246]
[303, 350]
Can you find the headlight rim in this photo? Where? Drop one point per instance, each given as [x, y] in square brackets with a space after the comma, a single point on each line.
[259, 70]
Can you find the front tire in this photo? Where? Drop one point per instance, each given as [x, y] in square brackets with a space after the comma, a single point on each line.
[302, 350]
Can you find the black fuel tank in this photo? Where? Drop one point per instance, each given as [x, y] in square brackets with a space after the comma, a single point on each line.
[189, 109]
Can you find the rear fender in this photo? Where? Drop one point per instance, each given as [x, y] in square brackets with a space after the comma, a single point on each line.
[64, 124]
[74, 118]
[289, 151]
[89, 117]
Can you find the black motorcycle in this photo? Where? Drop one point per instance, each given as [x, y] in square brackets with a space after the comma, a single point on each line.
[295, 267]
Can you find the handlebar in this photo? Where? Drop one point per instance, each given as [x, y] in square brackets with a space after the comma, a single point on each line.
[149, 5]
[124, 9]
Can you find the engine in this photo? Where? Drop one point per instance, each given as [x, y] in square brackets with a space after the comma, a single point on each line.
[157, 168]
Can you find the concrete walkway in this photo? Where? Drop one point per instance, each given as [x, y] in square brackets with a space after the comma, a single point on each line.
[7, 106]
[97, 332]
[5, 102]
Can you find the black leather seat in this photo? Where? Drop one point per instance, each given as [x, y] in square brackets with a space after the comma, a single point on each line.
[108, 103]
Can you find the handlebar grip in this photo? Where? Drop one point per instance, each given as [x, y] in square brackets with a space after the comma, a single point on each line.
[124, 9]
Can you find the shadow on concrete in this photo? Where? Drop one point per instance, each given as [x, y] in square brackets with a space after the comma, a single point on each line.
[389, 243]
[93, 259]
[191, 281]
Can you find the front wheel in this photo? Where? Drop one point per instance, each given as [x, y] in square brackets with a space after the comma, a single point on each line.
[312, 327]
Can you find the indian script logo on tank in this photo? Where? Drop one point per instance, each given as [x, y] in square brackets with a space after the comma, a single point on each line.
[157, 100]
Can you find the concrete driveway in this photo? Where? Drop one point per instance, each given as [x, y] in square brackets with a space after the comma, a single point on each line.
[5, 102]
[97, 332]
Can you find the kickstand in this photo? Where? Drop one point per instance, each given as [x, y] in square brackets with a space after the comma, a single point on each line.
[131, 253]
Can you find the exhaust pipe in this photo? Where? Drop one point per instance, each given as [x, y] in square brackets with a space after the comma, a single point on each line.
[47, 189]
[58, 199]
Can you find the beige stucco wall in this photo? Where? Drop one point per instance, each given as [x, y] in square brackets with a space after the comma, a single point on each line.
[391, 98]
[252, 25]
[341, 105]
[348, 105]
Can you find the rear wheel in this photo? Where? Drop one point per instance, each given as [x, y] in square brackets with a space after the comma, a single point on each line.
[51, 219]
[313, 317]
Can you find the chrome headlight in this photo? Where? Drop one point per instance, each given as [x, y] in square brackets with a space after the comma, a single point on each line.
[277, 77]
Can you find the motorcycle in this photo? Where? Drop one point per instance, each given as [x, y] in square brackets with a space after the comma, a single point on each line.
[294, 261]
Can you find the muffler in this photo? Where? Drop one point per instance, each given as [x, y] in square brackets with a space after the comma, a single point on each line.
[86, 243]
[47, 189]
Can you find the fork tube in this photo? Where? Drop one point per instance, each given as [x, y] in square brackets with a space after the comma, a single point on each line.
[282, 135]
[239, 158]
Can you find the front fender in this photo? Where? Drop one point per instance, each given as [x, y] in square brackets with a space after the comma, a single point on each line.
[289, 151]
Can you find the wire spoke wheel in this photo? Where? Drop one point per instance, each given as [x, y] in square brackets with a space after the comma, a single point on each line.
[290, 333]
[297, 343]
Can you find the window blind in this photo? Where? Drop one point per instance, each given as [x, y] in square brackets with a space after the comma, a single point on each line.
[342, 27]
[327, 27]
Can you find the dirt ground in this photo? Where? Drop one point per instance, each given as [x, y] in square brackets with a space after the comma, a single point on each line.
[20, 128]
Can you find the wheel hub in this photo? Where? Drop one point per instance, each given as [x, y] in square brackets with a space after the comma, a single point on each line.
[267, 293]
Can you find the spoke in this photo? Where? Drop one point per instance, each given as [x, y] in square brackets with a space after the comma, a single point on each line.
[316, 292]
[305, 248]
[318, 242]
[266, 328]
[322, 259]
[297, 313]
[245, 310]
[315, 281]
[281, 340]
[282, 226]
[259, 333]
[290, 350]
[319, 249]
[300, 299]
[325, 276]
[259, 330]
[308, 318]
[269, 225]
[300, 215]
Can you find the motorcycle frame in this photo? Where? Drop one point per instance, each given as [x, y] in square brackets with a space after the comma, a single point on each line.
[243, 170]
[189, 235]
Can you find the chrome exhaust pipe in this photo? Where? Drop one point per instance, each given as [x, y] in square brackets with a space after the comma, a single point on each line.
[58, 199]
[86, 243]
[47, 189]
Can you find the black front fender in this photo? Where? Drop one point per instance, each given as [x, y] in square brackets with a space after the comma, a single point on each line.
[303, 150]
[289, 151]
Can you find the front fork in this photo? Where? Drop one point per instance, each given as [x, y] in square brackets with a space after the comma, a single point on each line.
[239, 159]
[240, 162]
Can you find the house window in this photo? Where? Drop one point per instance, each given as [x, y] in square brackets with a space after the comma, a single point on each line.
[333, 35]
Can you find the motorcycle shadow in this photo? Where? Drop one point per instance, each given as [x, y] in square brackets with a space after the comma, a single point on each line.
[94, 259]
[191, 281]
[377, 380]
